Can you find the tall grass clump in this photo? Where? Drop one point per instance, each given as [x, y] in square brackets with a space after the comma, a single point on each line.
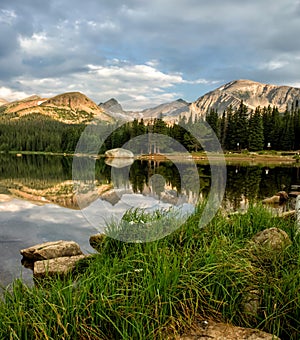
[156, 290]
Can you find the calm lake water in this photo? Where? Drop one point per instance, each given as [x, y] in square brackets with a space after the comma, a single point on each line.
[38, 204]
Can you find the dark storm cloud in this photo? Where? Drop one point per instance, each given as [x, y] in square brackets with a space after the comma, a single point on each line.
[95, 46]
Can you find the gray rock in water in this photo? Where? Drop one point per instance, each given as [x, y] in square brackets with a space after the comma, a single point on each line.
[58, 266]
[50, 250]
[119, 162]
[119, 153]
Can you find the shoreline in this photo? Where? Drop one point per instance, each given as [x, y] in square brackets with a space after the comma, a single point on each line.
[199, 157]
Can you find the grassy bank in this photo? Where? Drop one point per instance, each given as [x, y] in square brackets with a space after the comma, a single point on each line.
[158, 289]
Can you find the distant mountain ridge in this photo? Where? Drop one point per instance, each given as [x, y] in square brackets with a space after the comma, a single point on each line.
[70, 107]
[252, 93]
[167, 111]
[75, 107]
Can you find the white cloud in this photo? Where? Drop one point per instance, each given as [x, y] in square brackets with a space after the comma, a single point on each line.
[7, 16]
[274, 64]
[37, 45]
[11, 95]
[136, 72]
[135, 86]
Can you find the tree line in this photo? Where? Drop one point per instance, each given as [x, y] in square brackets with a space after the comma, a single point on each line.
[261, 129]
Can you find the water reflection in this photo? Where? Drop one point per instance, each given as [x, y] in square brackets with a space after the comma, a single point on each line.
[38, 204]
[48, 179]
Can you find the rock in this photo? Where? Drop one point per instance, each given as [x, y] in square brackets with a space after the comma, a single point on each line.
[96, 241]
[113, 196]
[294, 193]
[283, 196]
[50, 250]
[288, 214]
[119, 153]
[279, 198]
[251, 301]
[56, 266]
[272, 200]
[119, 162]
[272, 239]
[209, 330]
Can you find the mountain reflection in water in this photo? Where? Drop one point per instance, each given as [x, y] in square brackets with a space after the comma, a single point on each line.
[38, 204]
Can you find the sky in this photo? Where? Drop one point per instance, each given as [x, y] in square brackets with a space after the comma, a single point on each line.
[144, 53]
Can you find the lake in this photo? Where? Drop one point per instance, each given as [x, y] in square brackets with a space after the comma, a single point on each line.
[38, 204]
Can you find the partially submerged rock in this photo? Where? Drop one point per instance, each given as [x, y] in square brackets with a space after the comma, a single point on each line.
[279, 198]
[209, 330]
[119, 153]
[50, 250]
[52, 258]
[58, 266]
[119, 162]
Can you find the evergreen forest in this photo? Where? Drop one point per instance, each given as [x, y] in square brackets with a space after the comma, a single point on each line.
[262, 129]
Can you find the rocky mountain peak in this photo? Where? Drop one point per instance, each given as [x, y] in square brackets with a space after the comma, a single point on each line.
[112, 105]
[252, 93]
[72, 100]
[180, 100]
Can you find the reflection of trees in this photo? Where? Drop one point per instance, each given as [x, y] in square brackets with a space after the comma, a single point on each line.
[41, 172]
[35, 171]
[276, 179]
[139, 175]
[235, 185]
[242, 182]
[252, 182]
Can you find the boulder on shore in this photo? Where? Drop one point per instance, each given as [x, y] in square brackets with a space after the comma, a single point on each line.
[272, 239]
[58, 266]
[279, 198]
[119, 162]
[119, 153]
[50, 250]
[209, 330]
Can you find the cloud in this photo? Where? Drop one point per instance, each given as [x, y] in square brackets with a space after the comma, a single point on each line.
[107, 48]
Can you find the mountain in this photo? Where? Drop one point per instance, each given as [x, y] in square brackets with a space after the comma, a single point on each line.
[252, 93]
[114, 109]
[75, 107]
[169, 112]
[3, 101]
[72, 107]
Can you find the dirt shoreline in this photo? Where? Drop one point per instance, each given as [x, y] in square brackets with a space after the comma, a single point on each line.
[253, 158]
[229, 158]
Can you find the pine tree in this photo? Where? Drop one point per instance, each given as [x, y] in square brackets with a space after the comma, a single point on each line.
[223, 129]
[241, 126]
[212, 119]
[288, 132]
[256, 131]
[275, 132]
[230, 137]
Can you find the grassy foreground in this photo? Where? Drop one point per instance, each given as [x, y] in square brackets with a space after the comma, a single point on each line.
[157, 290]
